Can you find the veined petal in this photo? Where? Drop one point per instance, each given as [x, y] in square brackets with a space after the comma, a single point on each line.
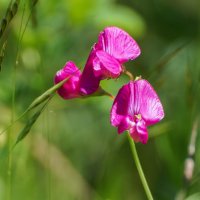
[119, 110]
[118, 44]
[147, 102]
[131, 108]
[70, 89]
[135, 107]
[89, 82]
[106, 66]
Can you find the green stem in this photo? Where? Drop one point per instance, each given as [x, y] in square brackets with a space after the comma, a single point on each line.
[139, 168]
[129, 74]
[9, 170]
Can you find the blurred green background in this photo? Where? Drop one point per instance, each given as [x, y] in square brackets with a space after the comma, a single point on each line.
[72, 152]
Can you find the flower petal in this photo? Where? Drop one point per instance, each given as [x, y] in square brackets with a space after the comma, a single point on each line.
[119, 110]
[106, 66]
[147, 102]
[125, 124]
[118, 44]
[139, 133]
[70, 89]
[89, 82]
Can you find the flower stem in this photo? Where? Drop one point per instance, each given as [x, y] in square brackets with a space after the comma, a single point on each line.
[129, 74]
[139, 168]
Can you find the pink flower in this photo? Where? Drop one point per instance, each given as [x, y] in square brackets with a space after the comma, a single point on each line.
[118, 44]
[114, 47]
[135, 107]
[70, 89]
[89, 83]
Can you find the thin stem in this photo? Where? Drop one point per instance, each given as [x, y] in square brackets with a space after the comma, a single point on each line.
[47, 128]
[9, 170]
[129, 74]
[139, 168]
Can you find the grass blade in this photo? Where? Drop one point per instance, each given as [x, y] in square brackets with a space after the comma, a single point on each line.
[45, 95]
[24, 132]
[42, 98]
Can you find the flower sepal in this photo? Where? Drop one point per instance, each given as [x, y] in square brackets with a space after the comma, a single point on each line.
[100, 92]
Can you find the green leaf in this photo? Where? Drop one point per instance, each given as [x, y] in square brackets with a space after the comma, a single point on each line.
[45, 95]
[29, 124]
[42, 98]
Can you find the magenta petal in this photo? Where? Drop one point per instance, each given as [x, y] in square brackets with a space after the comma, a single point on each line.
[147, 102]
[125, 124]
[89, 83]
[135, 107]
[139, 133]
[118, 44]
[70, 89]
[119, 110]
[106, 66]
[142, 131]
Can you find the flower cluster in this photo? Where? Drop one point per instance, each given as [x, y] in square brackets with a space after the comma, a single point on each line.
[136, 105]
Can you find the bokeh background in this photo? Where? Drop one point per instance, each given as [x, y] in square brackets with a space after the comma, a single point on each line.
[72, 152]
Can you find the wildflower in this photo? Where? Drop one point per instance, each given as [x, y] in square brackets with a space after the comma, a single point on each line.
[70, 89]
[135, 107]
[118, 44]
[89, 83]
[114, 47]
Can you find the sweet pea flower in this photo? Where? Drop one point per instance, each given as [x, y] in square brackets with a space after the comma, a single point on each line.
[135, 107]
[114, 47]
[70, 89]
[118, 43]
[89, 83]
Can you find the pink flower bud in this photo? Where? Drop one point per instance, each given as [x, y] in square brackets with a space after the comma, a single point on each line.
[70, 89]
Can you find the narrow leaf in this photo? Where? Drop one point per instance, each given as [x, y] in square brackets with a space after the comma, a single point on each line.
[24, 132]
[42, 98]
[45, 95]
[28, 126]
